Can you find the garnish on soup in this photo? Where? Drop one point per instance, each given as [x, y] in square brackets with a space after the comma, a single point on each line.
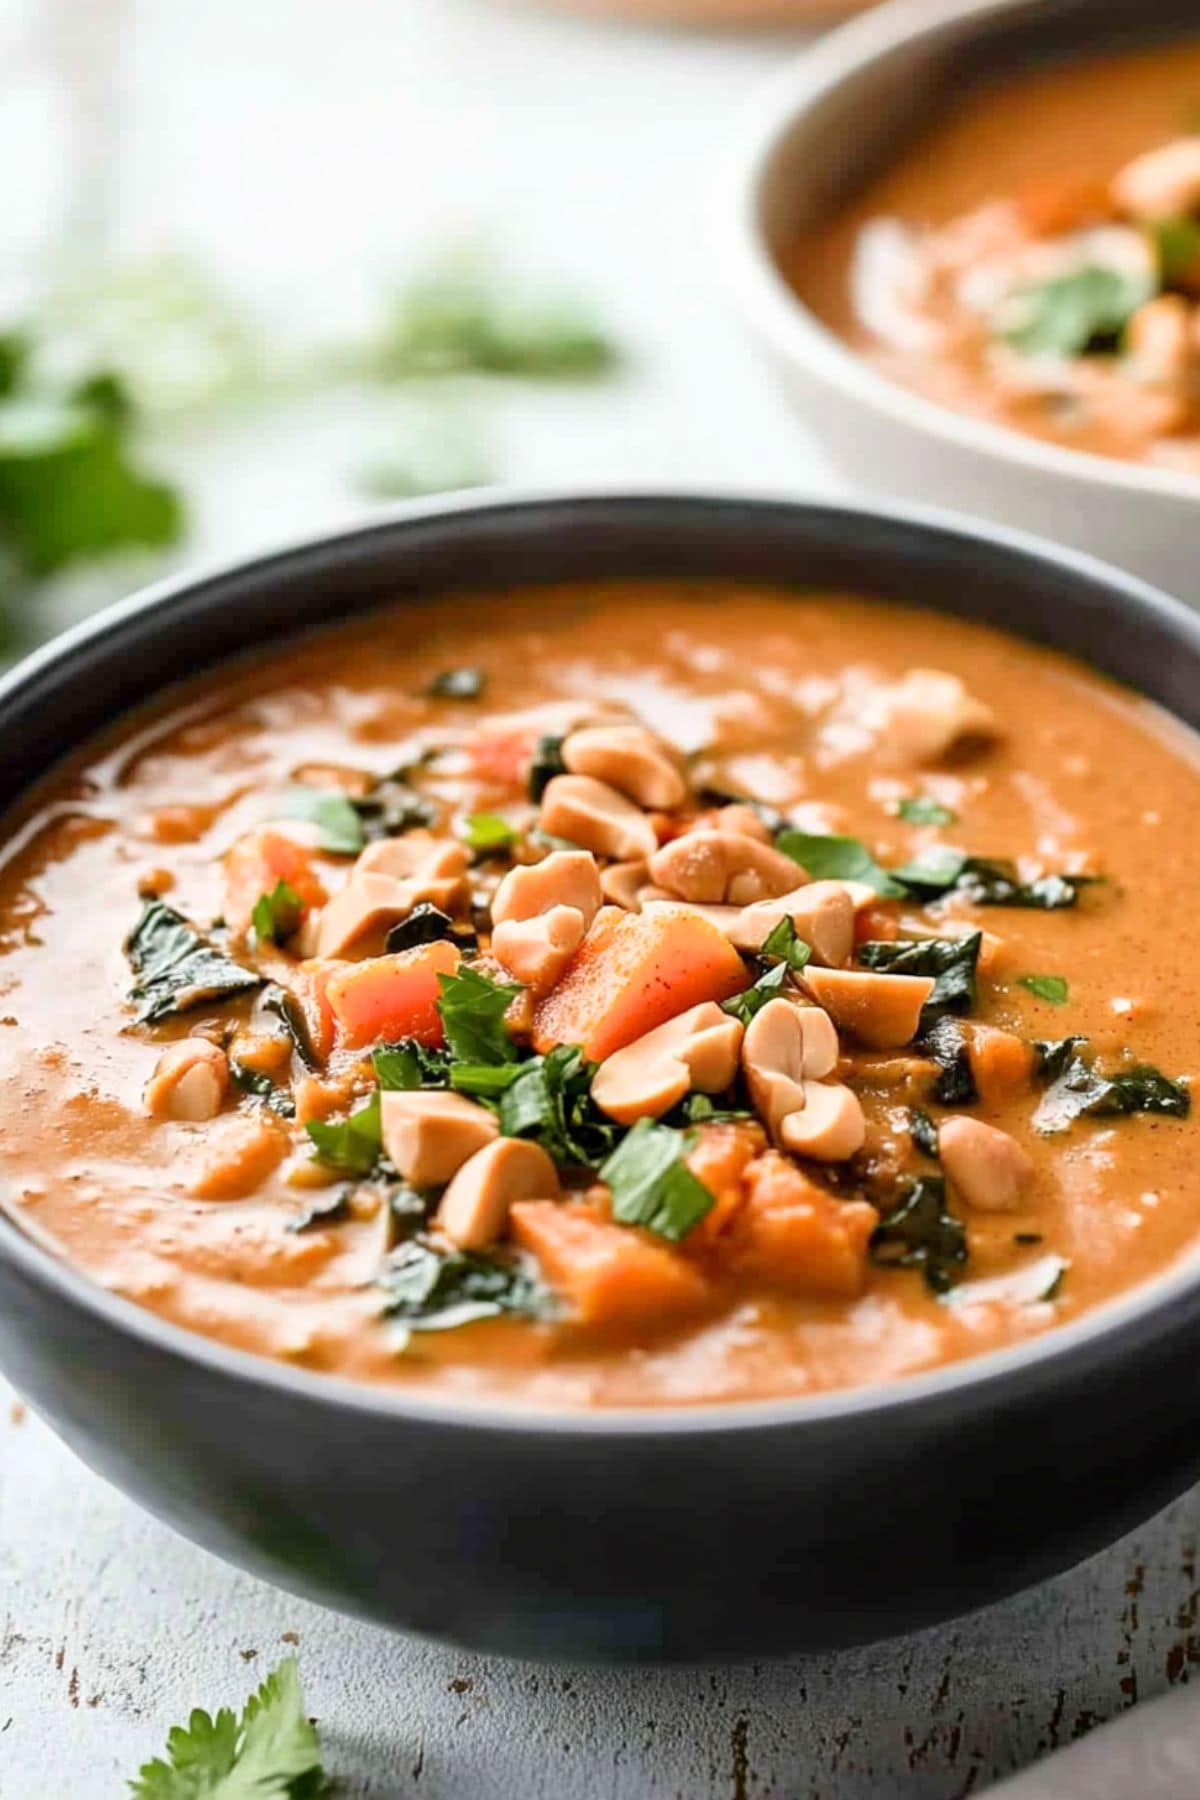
[614, 1014]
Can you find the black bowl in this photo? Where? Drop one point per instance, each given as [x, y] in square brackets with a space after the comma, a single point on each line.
[695, 1532]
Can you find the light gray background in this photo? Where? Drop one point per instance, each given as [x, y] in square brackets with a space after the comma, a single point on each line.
[307, 148]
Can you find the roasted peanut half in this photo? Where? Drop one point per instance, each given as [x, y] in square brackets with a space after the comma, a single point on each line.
[630, 759]
[564, 878]
[474, 1208]
[596, 817]
[822, 913]
[921, 718]
[831, 1126]
[785, 1047]
[367, 903]
[1164, 183]
[621, 884]
[987, 1168]
[190, 1081]
[698, 1049]
[722, 867]
[535, 952]
[882, 1011]
[429, 1135]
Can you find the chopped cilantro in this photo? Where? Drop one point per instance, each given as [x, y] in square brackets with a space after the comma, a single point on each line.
[783, 944]
[488, 833]
[751, 1000]
[353, 1146]
[435, 1289]
[836, 859]
[923, 809]
[651, 1184]
[1075, 314]
[472, 1009]
[277, 915]
[408, 1064]
[550, 1101]
[334, 815]
[1052, 988]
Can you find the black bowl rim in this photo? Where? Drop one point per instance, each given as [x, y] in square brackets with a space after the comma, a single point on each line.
[1163, 1303]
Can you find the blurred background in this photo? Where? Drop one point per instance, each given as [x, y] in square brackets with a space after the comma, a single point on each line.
[266, 266]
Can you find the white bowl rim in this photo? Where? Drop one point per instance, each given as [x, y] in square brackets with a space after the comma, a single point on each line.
[1159, 1299]
[783, 320]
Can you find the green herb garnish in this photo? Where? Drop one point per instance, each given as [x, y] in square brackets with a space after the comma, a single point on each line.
[277, 915]
[783, 944]
[352, 1146]
[1177, 242]
[472, 1009]
[550, 1101]
[1053, 988]
[391, 808]
[433, 1289]
[985, 881]
[951, 961]
[920, 1233]
[1079, 1088]
[651, 1184]
[253, 1081]
[487, 834]
[462, 319]
[923, 809]
[408, 1064]
[1083, 312]
[177, 968]
[945, 1043]
[924, 1133]
[751, 1000]
[334, 815]
[837, 859]
[270, 1753]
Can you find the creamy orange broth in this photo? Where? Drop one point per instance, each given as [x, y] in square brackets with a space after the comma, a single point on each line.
[1083, 776]
[1007, 171]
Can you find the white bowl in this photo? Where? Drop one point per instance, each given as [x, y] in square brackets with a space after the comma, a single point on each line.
[818, 131]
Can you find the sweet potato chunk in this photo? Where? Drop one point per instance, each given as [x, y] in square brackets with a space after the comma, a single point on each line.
[632, 972]
[390, 997]
[256, 865]
[609, 1274]
[720, 1159]
[792, 1234]
[1001, 1063]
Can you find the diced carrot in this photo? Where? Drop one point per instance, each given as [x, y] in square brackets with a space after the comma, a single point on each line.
[392, 996]
[794, 1235]
[1001, 1063]
[609, 1274]
[876, 924]
[257, 864]
[236, 1155]
[632, 972]
[501, 759]
[720, 1159]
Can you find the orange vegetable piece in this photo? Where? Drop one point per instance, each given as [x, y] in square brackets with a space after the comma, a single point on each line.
[632, 972]
[389, 997]
[876, 923]
[720, 1160]
[1001, 1063]
[792, 1234]
[257, 864]
[610, 1274]
[501, 759]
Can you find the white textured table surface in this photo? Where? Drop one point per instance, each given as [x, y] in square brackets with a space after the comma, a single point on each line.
[308, 149]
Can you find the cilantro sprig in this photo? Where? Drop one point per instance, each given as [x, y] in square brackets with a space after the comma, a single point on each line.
[270, 1752]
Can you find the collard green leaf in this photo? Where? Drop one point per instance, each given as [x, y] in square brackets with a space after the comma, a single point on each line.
[924, 1133]
[921, 1233]
[546, 764]
[945, 1043]
[651, 1184]
[277, 915]
[425, 924]
[985, 881]
[391, 808]
[951, 961]
[1079, 1088]
[836, 859]
[177, 969]
[253, 1081]
[436, 1289]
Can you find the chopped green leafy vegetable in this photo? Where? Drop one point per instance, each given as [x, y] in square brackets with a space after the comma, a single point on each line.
[935, 871]
[253, 1081]
[391, 808]
[924, 1133]
[701, 1109]
[487, 833]
[546, 764]
[408, 1064]
[1177, 242]
[472, 1009]
[951, 961]
[277, 915]
[486, 1081]
[1053, 988]
[352, 1146]
[651, 1184]
[751, 1000]
[1079, 1088]
[458, 684]
[177, 968]
[462, 318]
[1074, 314]
[985, 881]
[945, 1043]
[550, 1101]
[286, 1008]
[334, 815]
[425, 924]
[923, 809]
[836, 859]
[434, 1289]
[921, 1233]
[784, 944]
[270, 1753]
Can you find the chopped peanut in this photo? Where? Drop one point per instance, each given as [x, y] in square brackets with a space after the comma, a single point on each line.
[882, 1011]
[564, 878]
[712, 867]
[429, 1135]
[190, 1080]
[741, 818]
[830, 1127]
[784, 1048]
[621, 884]
[696, 1049]
[536, 952]
[822, 913]
[367, 904]
[987, 1168]
[474, 1208]
[924, 716]
[597, 817]
[630, 759]
[1164, 183]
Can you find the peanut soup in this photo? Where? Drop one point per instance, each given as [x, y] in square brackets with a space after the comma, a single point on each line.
[1034, 259]
[625, 994]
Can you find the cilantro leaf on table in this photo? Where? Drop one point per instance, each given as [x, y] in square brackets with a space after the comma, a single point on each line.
[461, 318]
[270, 1753]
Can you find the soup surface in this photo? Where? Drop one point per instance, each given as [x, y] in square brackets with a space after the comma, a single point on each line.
[629, 994]
[1034, 259]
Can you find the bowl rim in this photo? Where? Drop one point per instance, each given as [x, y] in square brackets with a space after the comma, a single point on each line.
[1164, 1301]
[782, 320]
